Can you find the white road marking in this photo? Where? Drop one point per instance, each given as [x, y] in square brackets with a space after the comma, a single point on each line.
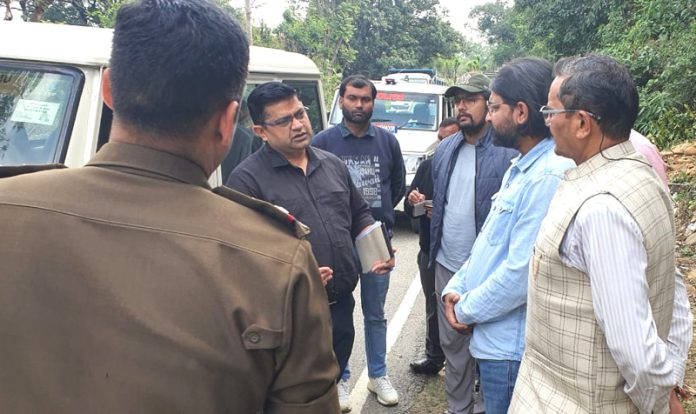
[359, 395]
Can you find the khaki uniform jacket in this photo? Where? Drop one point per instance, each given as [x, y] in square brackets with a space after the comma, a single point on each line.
[129, 286]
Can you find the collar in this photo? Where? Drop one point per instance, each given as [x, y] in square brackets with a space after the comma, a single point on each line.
[345, 132]
[541, 148]
[622, 150]
[278, 160]
[150, 161]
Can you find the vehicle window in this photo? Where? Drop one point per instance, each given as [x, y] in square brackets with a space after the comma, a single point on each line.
[449, 107]
[244, 142]
[309, 95]
[400, 110]
[37, 108]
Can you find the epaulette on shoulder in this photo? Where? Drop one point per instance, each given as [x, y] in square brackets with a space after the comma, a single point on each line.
[277, 213]
[13, 170]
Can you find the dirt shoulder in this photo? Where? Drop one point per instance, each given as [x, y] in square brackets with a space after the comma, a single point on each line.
[681, 170]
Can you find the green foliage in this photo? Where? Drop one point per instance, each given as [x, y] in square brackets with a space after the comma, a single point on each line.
[503, 30]
[547, 28]
[101, 13]
[655, 39]
[324, 34]
[265, 36]
[452, 68]
[407, 33]
[657, 42]
[361, 36]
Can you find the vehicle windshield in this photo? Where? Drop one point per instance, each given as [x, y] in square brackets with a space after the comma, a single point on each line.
[35, 106]
[401, 110]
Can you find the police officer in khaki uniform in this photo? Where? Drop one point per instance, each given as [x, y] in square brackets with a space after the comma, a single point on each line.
[128, 285]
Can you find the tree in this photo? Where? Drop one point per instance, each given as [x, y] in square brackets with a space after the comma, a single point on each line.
[408, 33]
[497, 22]
[323, 34]
[657, 41]
[78, 12]
[547, 28]
[566, 27]
[100, 13]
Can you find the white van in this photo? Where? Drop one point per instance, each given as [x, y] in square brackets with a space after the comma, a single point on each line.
[51, 109]
[412, 112]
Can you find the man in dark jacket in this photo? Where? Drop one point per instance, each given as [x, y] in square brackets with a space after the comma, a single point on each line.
[374, 159]
[316, 188]
[467, 172]
[421, 190]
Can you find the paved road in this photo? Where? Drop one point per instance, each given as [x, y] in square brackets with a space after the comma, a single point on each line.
[405, 313]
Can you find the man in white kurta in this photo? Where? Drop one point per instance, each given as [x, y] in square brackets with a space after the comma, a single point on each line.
[608, 322]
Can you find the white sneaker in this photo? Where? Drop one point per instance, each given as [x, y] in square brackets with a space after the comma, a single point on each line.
[344, 396]
[386, 394]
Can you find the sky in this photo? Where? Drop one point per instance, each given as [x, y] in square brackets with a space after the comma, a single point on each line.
[271, 12]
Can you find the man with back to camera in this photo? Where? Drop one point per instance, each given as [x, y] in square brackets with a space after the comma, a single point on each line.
[130, 286]
[490, 290]
[315, 186]
[374, 160]
[422, 189]
[608, 323]
[467, 171]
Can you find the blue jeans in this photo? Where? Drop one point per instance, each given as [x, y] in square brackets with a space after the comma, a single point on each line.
[373, 293]
[498, 382]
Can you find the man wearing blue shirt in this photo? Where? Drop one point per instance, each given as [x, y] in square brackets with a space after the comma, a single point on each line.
[373, 157]
[489, 292]
[467, 170]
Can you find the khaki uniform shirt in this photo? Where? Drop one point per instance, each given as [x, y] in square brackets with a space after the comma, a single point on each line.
[129, 286]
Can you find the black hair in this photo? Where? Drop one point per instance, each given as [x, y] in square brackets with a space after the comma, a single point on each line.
[448, 121]
[526, 80]
[174, 63]
[267, 94]
[603, 86]
[356, 81]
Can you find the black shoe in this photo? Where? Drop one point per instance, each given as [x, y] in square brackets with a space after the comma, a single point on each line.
[426, 366]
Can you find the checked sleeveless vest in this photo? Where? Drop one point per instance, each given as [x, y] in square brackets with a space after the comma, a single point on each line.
[567, 366]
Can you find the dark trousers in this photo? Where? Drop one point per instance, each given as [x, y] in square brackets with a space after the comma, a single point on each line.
[343, 330]
[432, 336]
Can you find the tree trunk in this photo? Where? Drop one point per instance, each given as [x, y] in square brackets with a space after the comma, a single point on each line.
[247, 10]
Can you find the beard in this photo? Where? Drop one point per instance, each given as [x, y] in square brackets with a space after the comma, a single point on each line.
[506, 137]
[473, 127]
[357, 117]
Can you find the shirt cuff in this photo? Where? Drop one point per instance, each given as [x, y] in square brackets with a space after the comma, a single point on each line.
[678, 369]
[446, 291]
[462, 317]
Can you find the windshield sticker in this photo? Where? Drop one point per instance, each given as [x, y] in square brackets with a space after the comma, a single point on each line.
[390, 96]
[35, 112]
[389, 127]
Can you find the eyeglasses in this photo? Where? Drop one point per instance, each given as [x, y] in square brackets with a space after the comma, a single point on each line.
[467, 99]
[287, 120]
[493, 106]
[548, 113]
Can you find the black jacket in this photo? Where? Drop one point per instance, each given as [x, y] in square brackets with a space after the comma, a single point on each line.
[325, 199]
[423, 181]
